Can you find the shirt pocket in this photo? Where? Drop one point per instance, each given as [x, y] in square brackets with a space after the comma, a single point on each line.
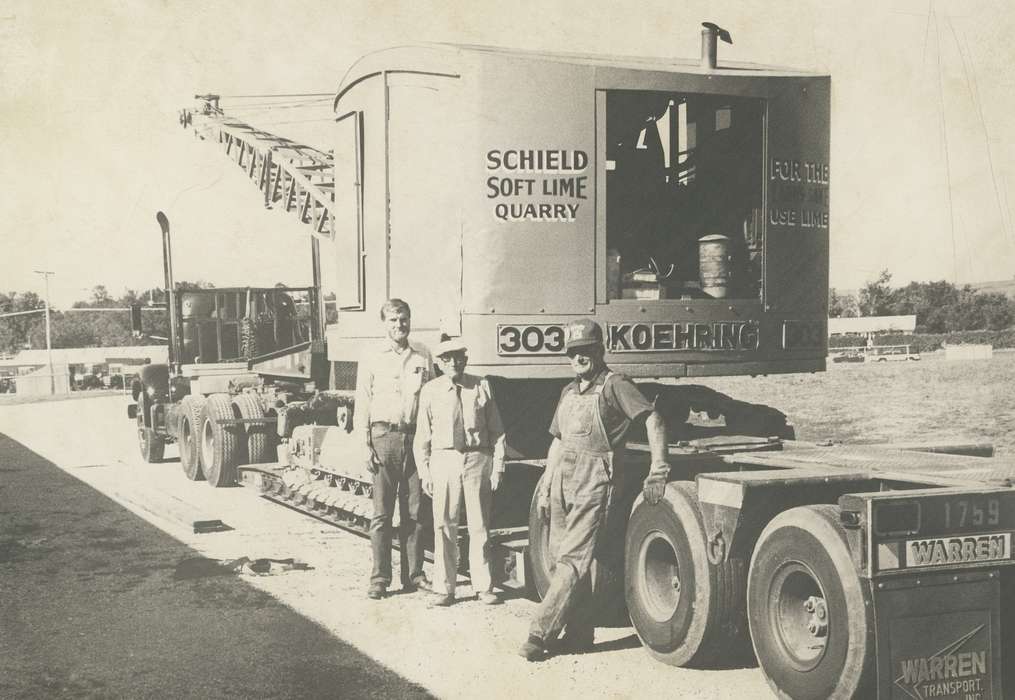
[415, 377]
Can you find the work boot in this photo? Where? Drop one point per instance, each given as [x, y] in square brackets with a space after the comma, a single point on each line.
[533, 650]
[488, 598]
[442, 601]
[377, 591]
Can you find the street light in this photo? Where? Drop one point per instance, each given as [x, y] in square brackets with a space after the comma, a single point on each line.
[49, 345]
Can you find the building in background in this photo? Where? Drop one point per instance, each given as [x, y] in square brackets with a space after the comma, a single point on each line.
[76, 368]
[871, 325]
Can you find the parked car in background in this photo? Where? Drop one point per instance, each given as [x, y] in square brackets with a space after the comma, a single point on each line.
[891, 353]
[849, 355]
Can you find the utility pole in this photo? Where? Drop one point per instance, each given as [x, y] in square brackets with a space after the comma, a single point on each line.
[49, 345]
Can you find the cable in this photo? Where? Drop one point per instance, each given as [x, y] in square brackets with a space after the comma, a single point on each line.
[297, 94]
[292, 103]
[944, 137]
[296, 121]
[974, 93]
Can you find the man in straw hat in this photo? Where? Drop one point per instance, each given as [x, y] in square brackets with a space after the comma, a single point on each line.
[459, 450]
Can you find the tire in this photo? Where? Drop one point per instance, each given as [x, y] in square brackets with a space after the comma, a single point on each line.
[802, 558]
[607, 568]
[686, 610]
[260, 442]
[152, 445]
[190, 437]
[220, 444]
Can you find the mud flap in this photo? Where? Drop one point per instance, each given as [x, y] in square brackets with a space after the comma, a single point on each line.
[939, 636]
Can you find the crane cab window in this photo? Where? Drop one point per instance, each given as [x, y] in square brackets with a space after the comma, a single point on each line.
[684, 187]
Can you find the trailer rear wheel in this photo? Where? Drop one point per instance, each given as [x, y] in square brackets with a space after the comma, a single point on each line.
[220, 444]
[607, 568]
[810, 614]
[152, 445]
[260, 442]
[190, 436]
[686, 610]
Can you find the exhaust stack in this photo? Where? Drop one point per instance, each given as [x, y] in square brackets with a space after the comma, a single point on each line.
[709, 44]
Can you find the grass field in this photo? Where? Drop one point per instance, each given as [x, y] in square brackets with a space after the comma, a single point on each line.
[862, 403]
[933, 399]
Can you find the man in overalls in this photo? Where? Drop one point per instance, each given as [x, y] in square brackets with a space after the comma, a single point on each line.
[592, 419]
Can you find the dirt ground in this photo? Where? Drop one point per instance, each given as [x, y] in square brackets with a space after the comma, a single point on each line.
[461, 652]
[933, 399]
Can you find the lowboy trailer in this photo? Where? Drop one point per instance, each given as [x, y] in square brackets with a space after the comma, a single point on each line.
[684, 206]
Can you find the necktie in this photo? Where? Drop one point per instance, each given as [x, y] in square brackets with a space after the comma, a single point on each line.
[458, 423]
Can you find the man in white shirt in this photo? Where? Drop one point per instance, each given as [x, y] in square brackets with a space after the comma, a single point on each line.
[459, 449]
[388, 380]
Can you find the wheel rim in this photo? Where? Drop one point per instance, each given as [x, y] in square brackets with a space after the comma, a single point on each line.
[142, 435]
[208, 444]
[660, 576]
[186, 443]
[799, 616]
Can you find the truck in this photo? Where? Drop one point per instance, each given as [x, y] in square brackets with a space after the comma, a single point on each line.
[684, 206]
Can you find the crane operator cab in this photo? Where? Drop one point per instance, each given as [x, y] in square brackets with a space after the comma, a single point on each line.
[684, 195]
[683, 206]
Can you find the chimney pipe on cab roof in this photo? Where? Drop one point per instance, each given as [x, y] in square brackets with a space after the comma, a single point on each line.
[710, 34]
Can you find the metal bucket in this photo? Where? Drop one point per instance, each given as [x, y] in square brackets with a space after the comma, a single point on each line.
[714, 265]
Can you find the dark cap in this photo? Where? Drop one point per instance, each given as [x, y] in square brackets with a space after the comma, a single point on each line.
[582, 332]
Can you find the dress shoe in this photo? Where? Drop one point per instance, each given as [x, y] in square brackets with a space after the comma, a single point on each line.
[533, 650]
[489, 598]
[377, 591]
[442, 601]
[419, 583]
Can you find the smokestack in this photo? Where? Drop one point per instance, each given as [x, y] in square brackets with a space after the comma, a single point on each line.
[710, 34]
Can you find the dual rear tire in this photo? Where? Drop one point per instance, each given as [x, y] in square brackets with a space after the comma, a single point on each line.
[222, 447]
[808, 612]
[811, 615]
[190, 436]
[219, 443]
[686, 610]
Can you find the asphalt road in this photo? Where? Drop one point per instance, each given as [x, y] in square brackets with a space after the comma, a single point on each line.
[96, 602]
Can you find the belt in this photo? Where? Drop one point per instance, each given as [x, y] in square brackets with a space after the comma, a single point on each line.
[407, 428]
[487, 450]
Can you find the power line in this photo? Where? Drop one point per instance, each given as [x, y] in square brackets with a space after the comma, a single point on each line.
[944, 138]
[974, 93]
[22, 313]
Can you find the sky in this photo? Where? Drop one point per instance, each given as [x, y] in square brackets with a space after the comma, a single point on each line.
[922, 162]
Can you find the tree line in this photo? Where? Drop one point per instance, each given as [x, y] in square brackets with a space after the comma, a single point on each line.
[939, 307]
[79, 327]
